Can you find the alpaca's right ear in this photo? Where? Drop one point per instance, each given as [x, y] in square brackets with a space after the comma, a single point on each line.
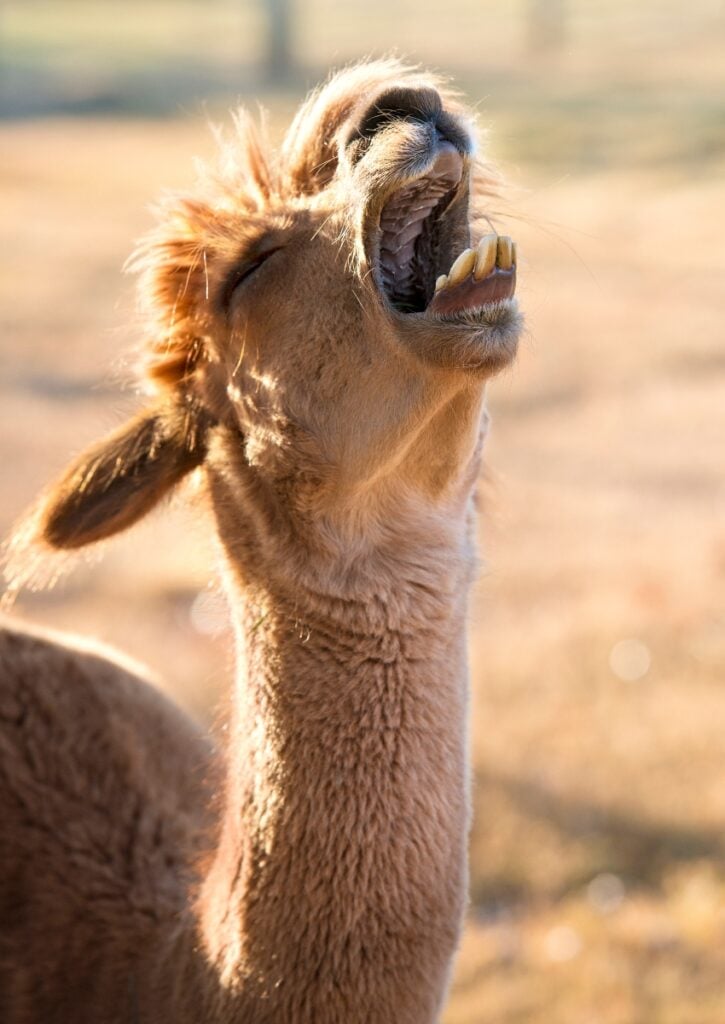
[118, 480]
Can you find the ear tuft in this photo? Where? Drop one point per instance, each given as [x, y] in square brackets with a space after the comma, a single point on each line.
[117, 481]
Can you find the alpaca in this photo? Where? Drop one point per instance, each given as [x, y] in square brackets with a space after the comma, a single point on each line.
[320, 338]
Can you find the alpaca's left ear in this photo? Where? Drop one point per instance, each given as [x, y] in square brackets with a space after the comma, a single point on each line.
[118, 480]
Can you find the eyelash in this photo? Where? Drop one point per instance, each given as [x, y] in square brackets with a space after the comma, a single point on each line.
[235, 280]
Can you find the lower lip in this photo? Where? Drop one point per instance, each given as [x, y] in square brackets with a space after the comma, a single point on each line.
[471, 294]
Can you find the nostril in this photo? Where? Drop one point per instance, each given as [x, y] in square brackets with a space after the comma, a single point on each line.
[401, 104]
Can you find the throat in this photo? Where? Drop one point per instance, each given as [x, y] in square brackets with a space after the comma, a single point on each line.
[339, 879]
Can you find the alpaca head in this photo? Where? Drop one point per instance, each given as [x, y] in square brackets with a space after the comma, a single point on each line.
[297, 342]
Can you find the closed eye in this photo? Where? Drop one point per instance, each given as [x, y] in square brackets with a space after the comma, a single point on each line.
[242, 273]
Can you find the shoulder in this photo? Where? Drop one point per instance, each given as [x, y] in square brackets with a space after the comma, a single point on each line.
[81, 699]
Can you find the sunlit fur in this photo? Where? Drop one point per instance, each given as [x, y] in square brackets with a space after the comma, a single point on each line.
[338, 444]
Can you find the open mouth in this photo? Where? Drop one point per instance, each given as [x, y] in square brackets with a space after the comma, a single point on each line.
[421, 268]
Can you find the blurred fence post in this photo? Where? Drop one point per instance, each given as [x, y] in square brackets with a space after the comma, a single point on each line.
[278, 58]
[546, 25]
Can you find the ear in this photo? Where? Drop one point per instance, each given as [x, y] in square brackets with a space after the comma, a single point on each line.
[120, 479]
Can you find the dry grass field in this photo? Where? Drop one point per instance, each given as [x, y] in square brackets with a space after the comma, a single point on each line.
[598, 628]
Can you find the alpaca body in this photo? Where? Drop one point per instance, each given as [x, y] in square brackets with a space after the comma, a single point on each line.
[103, 810]
[315, 362]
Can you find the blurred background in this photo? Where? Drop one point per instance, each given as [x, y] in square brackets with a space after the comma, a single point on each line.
[598, 630]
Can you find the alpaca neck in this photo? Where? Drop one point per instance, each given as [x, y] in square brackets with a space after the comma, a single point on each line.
[338, 884]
